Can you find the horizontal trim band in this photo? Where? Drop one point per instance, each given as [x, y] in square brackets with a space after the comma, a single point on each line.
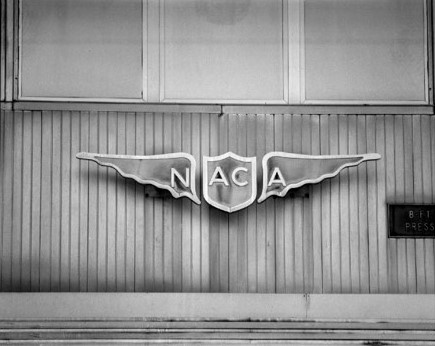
[218, 109]
[219, 306]
[116, 107]
[327, 109]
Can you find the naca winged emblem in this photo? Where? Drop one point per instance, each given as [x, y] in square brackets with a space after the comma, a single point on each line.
[229, 181]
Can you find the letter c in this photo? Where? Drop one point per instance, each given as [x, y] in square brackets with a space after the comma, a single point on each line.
[234, 178]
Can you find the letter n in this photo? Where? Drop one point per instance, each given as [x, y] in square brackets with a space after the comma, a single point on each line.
[185, 181]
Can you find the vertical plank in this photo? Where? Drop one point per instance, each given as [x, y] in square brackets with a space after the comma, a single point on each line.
[121, 221]
[289, 234]
[74, 252]
[353, 209]
[307, 227]
[46, 177]
[261, 212]
[8, 193]
[214, 247]
[298, 228]
[196, 210]
[326, 211]
[158, 211]
[149, 210]
[130, 215]
[391, 198]
[27, 200]
[279, 213]
[372, 208]
[418, 172]
[56, 201]
[408, 162]
[362, 208]
[112, 216]
[270, 214]
[335, 210]
[233, 217]
[401, 198]
[381, 205]
[316, 212]
[205, 209]
[428, 181]
[93, 208]
[16, 230]
[139, 234]
[223, 217]
[84, 203]
[65, 217]
[242, 280]
[177, 246]
[430, 245]
[251, 126]
[187, 212]
[103, 187]
[168, 278]
[343, 138]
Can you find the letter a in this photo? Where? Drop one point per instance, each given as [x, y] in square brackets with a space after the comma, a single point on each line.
[276, 177]
[175, 173]
[218, 177]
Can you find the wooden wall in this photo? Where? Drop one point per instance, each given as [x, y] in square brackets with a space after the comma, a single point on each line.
[69, 225]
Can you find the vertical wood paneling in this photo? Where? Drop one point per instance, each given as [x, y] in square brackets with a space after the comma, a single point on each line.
[56, 202]
[93, 200]
[130, 236]
[280, 272]
[325, 210]
[252, 250]
[158, 211]
[17, 206]
[316, 217]
[343, 140]
[36, 202]
[186, 246]
[26, 202]
[335, 215]
[196, 210]
[372, 209]
[289, 246]
[362, 208]
[428, 181]
[233, 218]
[8, 197]
[176, 231]
[205, 212]
[381, 221]
[149, 211]
[102, 229]
[139, 210]
[223, 217]
[112, 182]
[353, 209]
[71, 225]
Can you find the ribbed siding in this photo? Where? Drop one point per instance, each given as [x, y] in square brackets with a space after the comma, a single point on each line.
[70, 225]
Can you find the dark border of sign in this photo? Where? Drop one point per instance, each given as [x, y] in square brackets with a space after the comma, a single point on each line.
[391, 221]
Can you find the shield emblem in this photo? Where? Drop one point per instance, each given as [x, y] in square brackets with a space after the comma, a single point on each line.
[229, 181]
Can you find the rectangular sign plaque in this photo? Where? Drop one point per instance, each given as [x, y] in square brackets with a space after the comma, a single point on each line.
[411, 220]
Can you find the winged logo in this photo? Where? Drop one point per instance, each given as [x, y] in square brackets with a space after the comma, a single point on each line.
[229, 181]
